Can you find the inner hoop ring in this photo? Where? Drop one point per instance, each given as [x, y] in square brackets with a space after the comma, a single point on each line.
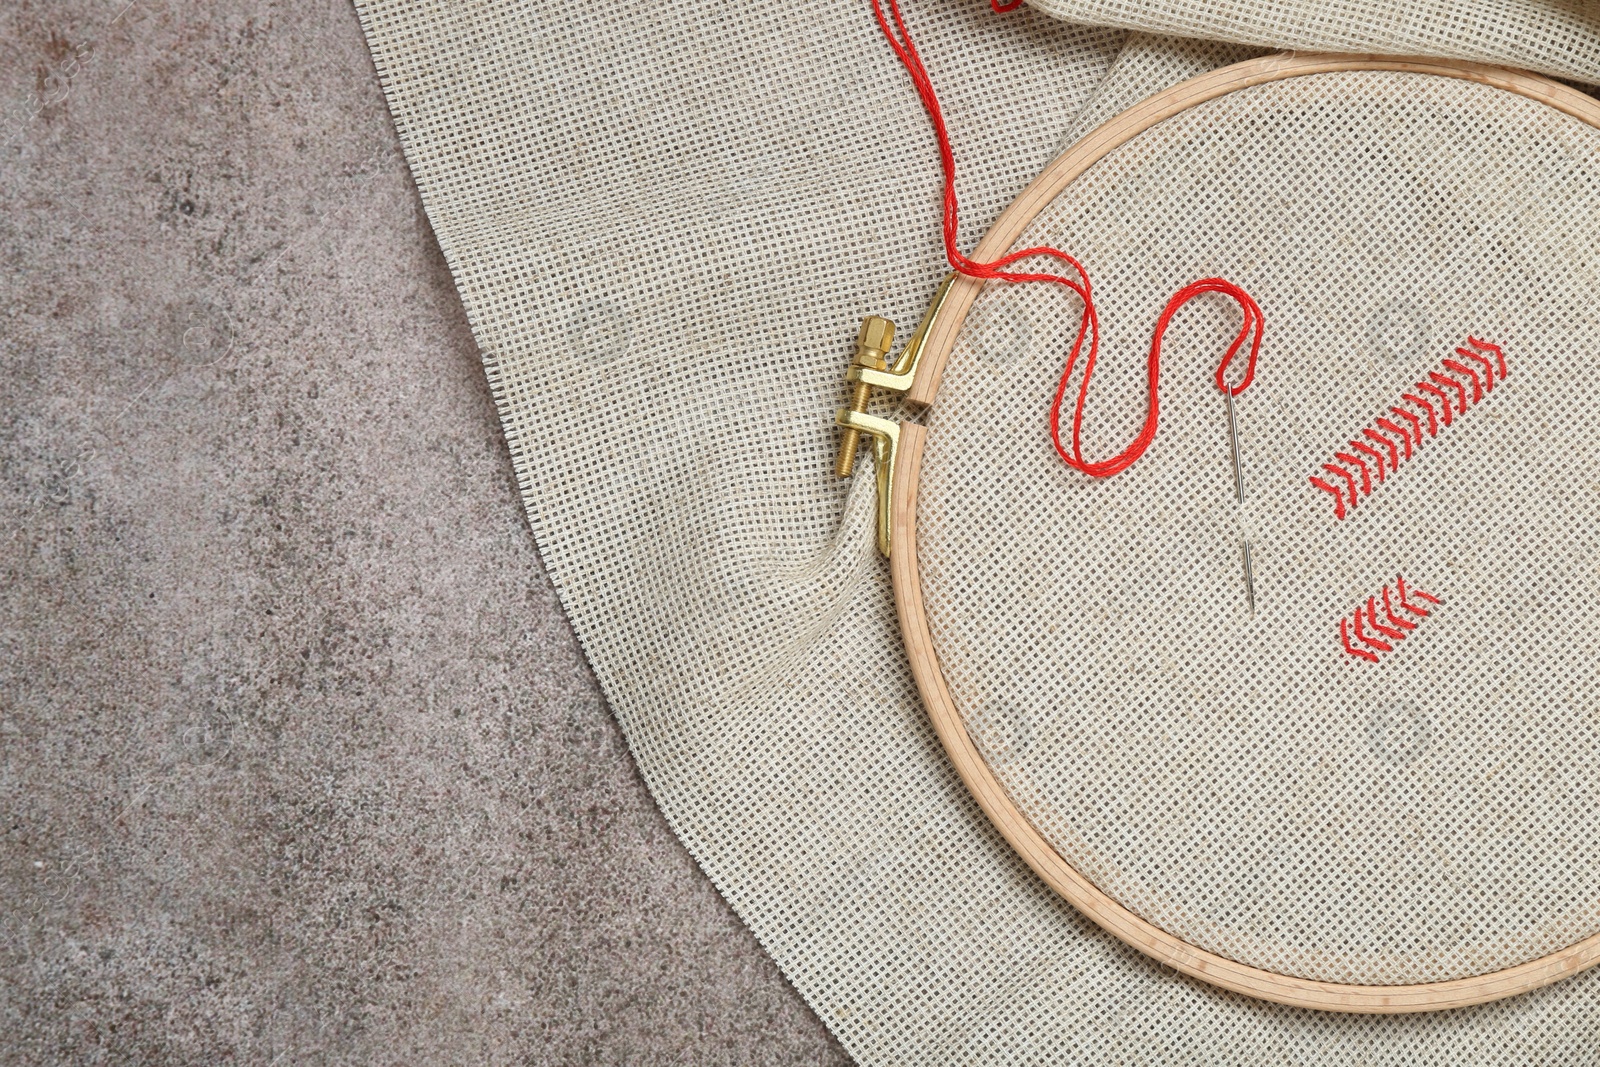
[991, 796]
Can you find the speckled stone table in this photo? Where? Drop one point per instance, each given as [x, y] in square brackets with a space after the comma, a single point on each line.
[299, 761]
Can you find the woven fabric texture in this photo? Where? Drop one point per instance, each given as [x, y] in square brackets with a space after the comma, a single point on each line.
[1551, 36]
[1379, 816]
[665, 222]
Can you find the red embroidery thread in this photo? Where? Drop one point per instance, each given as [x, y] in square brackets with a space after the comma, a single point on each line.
[1399, 442]
[1372, 636]
[1250, 329]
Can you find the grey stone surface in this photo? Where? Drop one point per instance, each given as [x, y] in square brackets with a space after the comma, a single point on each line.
[299, 761]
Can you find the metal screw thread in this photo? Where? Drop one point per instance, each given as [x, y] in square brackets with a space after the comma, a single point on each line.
[848, 444]
[872, 345]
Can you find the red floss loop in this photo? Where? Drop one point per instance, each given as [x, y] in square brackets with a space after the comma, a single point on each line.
[1250, 329]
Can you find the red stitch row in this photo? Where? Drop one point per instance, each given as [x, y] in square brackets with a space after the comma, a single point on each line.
[1385, 432]
[1392, 628]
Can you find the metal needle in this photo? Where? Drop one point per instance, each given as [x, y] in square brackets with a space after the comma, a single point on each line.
[1238, 489]
[1233, 434]
[1249, 578]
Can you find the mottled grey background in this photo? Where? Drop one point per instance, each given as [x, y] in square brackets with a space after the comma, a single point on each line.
[299, 761]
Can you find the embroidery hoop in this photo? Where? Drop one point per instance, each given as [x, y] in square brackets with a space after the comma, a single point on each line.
[899, 450]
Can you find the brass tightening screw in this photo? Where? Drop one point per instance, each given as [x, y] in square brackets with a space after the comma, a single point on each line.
[872, 350]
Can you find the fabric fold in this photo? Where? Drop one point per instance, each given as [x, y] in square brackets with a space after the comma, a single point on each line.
[1548, 36]
[666, 222]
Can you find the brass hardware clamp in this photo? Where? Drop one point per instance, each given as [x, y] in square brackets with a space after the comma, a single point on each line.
[870, 368]
[872, 346]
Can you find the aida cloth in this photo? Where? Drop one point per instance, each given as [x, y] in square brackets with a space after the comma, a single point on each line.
[1403, 797]
[665, 222]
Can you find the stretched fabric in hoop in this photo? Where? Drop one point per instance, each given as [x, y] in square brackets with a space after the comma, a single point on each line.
[1267, 783]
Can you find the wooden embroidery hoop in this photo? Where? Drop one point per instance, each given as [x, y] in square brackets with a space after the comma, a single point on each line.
[900, 457]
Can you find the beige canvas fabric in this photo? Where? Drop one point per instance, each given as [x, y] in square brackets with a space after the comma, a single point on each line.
[665, 222]
[1379, 816]
[1551, 36]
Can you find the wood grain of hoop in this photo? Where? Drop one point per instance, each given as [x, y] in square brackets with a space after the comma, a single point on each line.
[980, 780]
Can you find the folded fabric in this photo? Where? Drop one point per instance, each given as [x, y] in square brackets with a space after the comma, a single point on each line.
[1558, 37]
[665, 222]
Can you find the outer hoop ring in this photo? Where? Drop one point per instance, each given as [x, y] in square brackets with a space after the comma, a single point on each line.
[991, 796]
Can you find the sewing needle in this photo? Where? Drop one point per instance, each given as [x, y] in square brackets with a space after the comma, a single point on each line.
[1233, 433]
[1249, 579]
[1238, 490]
